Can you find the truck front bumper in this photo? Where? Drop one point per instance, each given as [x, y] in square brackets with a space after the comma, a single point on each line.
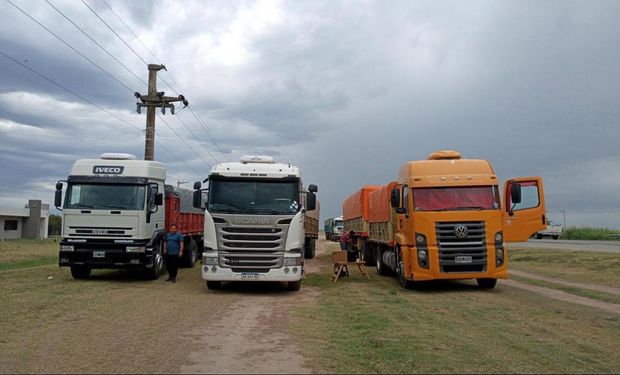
[217, 273]
[104, 255]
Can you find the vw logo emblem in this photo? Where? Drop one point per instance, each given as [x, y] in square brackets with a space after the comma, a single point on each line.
[460, 231]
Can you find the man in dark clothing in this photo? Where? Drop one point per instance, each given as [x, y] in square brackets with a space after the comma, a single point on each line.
[346, 243]
[173, 250]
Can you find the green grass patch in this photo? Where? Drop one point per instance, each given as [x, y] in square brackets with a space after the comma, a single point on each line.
[578, 266]
[590, 234]
[43, 261]
[18, 251]
[601, 296]
[374, 326]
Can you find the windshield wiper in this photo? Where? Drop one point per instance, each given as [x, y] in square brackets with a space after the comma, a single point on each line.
[114, 207]
[80, 205]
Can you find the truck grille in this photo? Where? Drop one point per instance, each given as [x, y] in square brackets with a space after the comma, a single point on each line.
[251, 249]
[464, 253]
[99, 231]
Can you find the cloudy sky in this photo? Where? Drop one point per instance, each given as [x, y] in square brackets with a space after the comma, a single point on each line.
[347, 90]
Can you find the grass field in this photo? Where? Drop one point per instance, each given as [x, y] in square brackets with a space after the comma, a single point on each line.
[592, 234]
[18, 253]
[374, 326]
[579, 266]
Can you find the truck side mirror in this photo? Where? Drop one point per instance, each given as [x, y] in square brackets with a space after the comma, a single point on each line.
[197, 185]
[159, 199]
[395, 198]
[310, 202]
[515, 193]
[313, 188]
[197, 197]
[58, 196]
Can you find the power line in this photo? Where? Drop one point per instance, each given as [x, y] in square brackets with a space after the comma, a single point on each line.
[183, 139]
[69, 45]
[55, 83]
[178, 87]
[97, 43]
[193, 135]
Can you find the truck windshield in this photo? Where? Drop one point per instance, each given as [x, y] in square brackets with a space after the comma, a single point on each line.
[456, 198]
[266, 197]
[339, 224]
[105, 196]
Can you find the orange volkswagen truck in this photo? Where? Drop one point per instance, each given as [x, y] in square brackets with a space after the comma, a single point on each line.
[444, 218]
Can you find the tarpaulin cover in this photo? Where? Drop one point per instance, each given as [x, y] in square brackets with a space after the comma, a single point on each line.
[356, 205]
[430, 199]
[379, 205]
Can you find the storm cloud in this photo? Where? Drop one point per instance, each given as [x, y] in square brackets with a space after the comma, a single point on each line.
[347, 90]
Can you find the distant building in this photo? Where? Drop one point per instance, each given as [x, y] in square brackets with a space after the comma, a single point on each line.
[28, 222]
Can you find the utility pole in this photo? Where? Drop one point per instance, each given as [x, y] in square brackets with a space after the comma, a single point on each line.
[152, 100]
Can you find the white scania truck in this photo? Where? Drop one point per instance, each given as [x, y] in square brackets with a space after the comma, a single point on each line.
[254, 222]
[114, 216]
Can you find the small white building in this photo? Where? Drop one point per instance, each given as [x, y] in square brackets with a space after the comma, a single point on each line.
[28, 222]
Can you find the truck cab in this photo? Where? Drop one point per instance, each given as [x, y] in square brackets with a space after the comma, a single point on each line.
[254, 222]
[452, 221]
[113, 215]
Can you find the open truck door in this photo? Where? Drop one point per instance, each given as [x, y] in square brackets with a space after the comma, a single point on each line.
[524, 208]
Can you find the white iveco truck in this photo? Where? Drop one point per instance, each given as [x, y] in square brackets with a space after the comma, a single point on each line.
[114, 216]
[254, 222]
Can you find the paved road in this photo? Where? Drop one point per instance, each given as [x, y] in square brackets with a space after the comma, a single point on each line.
[593, 246]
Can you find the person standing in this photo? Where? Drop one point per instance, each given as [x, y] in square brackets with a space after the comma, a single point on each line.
[173, 250]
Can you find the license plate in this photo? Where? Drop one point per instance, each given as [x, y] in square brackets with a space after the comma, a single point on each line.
[98, 254]
[249, 276]
[462, 260]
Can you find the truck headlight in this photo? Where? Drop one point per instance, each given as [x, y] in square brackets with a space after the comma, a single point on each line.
[135, 249]
[67, 248]
[292, 261]
[422, 254]
[499, 237]
[209, 261]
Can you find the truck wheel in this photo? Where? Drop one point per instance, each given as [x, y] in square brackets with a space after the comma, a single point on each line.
[486, 283]
[214, 285]
[294, 286]
[407, 284]
[539, 236]
[381, 268]
[191, 255]
[158, 265]
[80, 273]
[367, 253]
[556, 237]
[310, 248]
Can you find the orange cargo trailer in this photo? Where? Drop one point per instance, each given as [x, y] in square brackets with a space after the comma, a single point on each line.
[355, 211]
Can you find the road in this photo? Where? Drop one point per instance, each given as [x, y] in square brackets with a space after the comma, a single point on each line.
[571, 245]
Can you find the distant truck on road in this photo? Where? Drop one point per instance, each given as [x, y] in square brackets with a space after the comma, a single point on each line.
[553, 230]
[116, 211]
[443, 219]
[259, 222]
[333, 228]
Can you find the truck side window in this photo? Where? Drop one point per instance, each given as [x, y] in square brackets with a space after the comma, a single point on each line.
[529, 196]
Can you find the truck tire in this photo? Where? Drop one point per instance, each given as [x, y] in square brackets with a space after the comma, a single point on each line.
[80, 273]
[294, 286]
[404, 283]
[158, 265]
[381, 268]
[309, 248]
[214, 285]
[191, 255]
[556, 237]
[539, 236]
[486, 283]
[367, 253]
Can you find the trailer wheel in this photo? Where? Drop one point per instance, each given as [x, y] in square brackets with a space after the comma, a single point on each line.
[158, 265]
[556, 237]
[80, 273]
[381, 268]
[294, 286]
[486, 283]
[214, 285]
[539, 236]
[310, 248]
